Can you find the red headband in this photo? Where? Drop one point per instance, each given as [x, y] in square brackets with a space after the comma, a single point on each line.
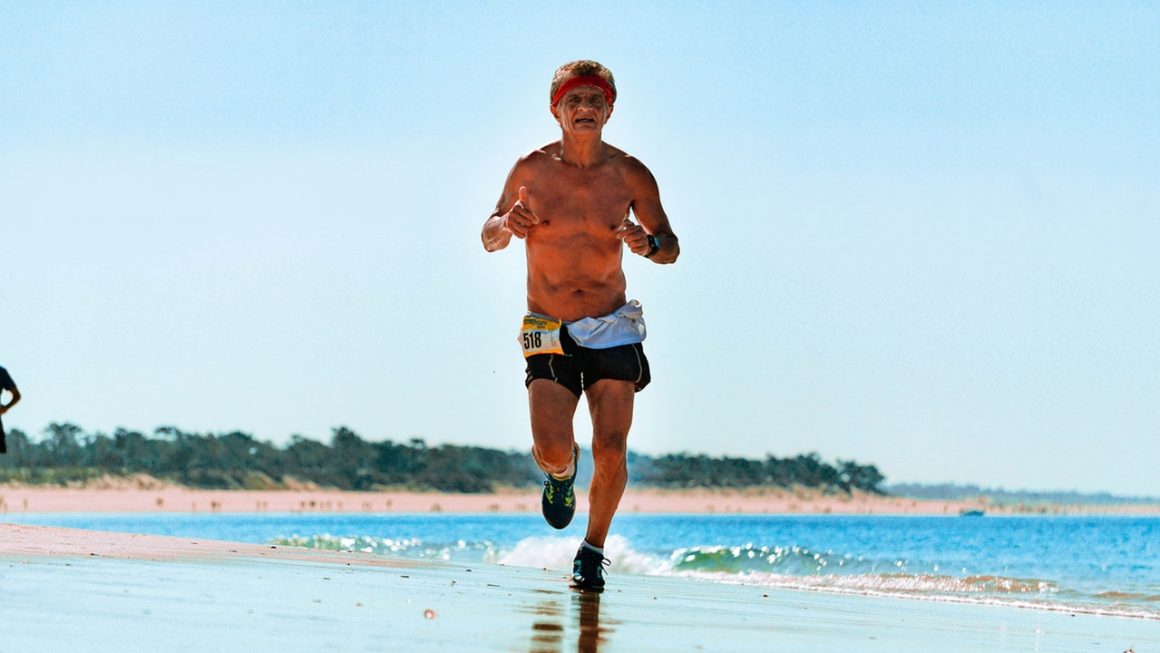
[585, 80]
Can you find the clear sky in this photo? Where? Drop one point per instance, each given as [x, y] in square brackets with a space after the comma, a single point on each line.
[920, 235]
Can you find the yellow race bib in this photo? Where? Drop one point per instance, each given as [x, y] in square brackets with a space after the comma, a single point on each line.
[540, 335]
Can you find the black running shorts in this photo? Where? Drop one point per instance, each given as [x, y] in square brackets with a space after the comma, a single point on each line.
[580, 367]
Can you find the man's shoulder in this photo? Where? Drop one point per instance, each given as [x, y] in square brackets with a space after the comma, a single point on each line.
[633, 169]
[623, 160]
[538, 156]
[528, 166]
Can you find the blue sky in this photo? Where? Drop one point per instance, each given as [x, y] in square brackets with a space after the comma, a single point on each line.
[920, 235]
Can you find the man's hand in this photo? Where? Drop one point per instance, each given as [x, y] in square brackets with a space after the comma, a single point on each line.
[520, 219]
[634, 236]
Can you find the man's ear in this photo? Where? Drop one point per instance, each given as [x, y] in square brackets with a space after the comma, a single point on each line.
[555, 113]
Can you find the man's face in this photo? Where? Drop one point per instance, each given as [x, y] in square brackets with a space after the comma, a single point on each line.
[582, 110]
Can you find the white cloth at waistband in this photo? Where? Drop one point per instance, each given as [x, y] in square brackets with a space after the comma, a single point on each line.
[624, 326]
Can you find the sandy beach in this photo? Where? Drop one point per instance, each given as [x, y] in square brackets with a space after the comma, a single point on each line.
[149, 495]
[70, 590]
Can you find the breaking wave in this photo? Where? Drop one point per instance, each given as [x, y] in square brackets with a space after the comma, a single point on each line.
[781, 567]
[411, 547]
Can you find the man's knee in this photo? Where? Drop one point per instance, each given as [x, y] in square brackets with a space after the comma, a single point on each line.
[610, 449]
[553, 456]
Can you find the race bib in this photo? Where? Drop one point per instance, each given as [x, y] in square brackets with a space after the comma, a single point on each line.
[540, 335]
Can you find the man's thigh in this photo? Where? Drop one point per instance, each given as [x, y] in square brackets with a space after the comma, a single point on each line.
[552, 408]
[610, 403]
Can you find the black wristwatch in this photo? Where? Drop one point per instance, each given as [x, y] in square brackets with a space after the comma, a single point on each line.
[654, 246]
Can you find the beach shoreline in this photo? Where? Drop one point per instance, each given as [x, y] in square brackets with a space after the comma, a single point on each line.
[149, 593]
[145, 496]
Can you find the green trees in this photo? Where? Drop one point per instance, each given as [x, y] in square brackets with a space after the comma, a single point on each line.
[236, 460]
[808, 470]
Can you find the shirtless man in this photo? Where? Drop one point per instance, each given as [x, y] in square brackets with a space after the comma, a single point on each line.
[569, 201]
[6, 383]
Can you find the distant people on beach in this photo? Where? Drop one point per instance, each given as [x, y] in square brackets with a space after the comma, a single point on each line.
[570, 202]
[9, 386]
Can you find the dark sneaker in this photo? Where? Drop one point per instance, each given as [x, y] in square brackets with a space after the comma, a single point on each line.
[558, 502]
[588, 570]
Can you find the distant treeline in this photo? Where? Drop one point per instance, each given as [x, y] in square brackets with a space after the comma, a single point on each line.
[66, 453]
[953, 492]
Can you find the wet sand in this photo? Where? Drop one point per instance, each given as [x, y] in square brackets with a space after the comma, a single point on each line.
[72, 590]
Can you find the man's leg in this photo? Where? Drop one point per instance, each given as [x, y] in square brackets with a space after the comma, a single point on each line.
[610, 405]
[552, 407]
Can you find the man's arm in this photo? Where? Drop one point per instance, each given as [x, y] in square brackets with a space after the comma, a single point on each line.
[12, 402]
[646, 206]
[511, 216]
[494, 236]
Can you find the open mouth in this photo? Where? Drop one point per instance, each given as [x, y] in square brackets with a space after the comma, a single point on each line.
[584, 121]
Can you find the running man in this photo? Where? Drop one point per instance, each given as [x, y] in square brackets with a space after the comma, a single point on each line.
[570, 202]
[6, 384]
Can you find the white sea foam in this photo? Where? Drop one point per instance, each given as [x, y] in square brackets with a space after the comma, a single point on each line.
[541, 552]
[790, 568]
[557, 553]
[940, 589]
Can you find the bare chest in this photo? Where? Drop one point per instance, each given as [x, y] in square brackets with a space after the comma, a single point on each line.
[574, 201]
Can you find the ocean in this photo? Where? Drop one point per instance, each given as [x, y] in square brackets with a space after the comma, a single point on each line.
[1094, 565]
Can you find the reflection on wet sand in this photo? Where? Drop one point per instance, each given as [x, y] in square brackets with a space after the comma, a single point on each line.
[548, 629]
[591, 632]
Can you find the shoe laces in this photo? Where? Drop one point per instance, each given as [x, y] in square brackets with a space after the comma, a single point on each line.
[554, 485]
[591, 561]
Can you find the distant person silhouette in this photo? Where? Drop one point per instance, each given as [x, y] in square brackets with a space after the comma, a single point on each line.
[6, 383]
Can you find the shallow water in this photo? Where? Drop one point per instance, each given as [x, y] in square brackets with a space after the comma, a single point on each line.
[1105, 565]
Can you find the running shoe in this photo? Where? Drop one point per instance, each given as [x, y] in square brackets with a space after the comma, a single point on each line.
[558, 502]
[588, 570]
